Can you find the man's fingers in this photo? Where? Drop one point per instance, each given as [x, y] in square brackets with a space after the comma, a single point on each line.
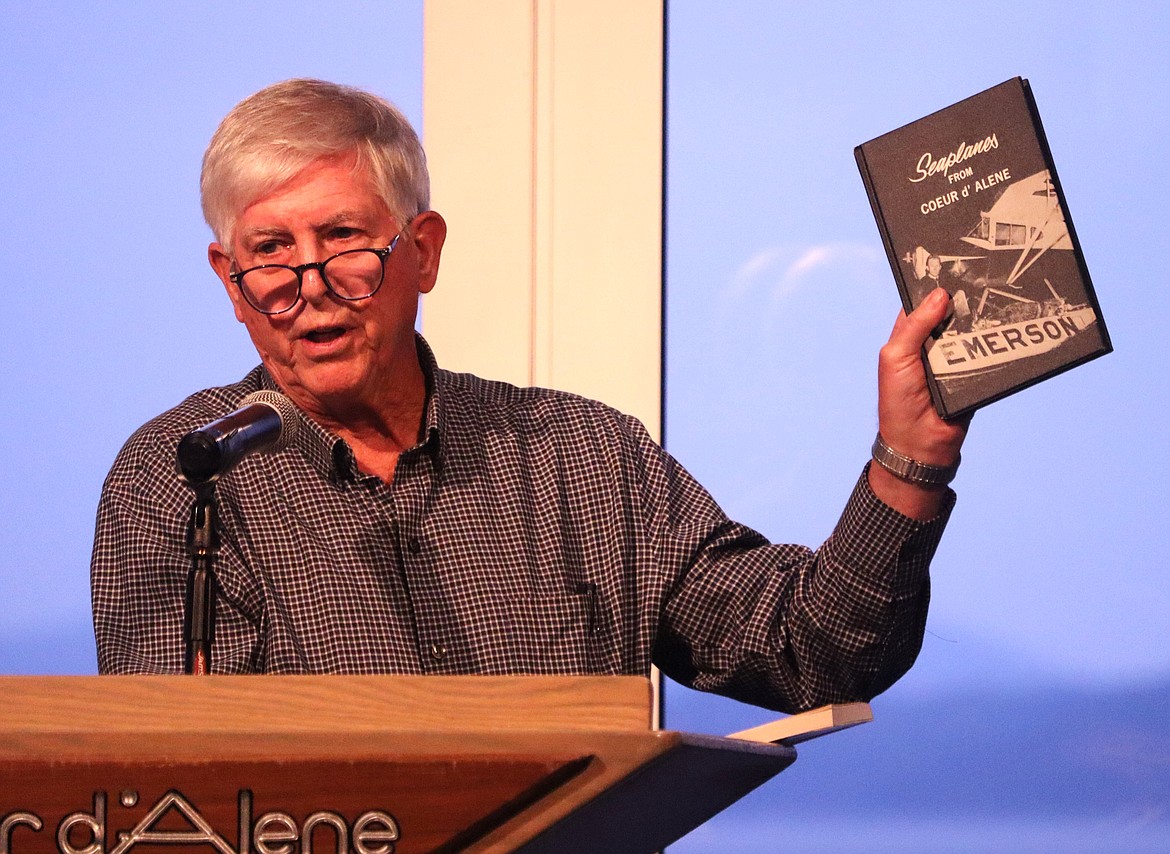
[912, 330]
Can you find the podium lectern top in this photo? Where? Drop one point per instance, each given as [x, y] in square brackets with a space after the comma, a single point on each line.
[361, 764]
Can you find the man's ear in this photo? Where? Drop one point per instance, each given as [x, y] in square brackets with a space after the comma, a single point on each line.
[428, 231]
[221, 263]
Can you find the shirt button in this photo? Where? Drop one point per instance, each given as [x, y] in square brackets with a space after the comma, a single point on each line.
[414, 545]
[438, 651]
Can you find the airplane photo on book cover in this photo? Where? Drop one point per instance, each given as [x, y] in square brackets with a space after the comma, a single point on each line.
[1007, 302]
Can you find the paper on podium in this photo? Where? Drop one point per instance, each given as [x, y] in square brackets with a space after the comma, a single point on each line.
[794, 729]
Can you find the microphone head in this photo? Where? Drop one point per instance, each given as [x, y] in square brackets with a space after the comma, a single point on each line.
[290, 420]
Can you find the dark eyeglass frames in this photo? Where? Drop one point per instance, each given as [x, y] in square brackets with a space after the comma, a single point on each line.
[355, 274]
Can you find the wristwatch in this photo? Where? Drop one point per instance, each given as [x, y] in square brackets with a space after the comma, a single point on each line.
[910, 470]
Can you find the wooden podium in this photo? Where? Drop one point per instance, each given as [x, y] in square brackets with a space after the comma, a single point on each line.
[361, 764]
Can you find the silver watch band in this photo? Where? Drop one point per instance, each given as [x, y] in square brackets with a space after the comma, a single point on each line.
[911, 470]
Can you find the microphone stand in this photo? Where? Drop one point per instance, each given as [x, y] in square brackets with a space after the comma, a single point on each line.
[266, 421]
[199, 616]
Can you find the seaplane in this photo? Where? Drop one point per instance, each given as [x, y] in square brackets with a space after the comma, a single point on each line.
[1017, 233]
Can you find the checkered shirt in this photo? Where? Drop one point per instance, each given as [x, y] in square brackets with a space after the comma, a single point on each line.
[529, 531]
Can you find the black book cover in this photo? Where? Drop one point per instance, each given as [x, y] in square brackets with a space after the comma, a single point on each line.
[968, 199]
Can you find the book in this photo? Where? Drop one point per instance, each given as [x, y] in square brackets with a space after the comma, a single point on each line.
[794, 729]
[968, 199]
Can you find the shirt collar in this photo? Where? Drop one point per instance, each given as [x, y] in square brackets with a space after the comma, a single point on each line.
[432, 410]
[330, 455]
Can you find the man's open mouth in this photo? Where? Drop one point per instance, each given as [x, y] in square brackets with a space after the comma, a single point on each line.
[325, 334]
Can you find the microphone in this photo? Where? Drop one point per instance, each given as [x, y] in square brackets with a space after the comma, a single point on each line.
[266, 421]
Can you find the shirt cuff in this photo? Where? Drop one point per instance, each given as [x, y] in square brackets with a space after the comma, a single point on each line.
[874, 535]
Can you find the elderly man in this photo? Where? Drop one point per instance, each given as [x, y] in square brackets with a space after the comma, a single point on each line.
[430, 522]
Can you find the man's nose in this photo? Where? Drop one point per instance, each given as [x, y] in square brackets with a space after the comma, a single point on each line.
[313, 287]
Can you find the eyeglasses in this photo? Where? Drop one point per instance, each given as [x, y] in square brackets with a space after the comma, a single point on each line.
[355, 274]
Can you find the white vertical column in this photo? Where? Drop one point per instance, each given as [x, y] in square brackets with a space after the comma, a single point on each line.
[543, 127]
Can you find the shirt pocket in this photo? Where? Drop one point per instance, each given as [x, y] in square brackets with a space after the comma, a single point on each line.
[560, 629]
